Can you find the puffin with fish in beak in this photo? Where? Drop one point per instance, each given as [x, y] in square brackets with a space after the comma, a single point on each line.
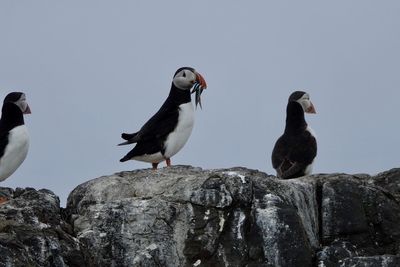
[167, 131]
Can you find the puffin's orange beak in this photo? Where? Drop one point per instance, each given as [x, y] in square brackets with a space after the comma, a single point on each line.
[201, 81]
[311, 109]
[27, 110]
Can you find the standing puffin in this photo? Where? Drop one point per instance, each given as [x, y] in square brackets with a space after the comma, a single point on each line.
[295, 150]
[164, 134]
[14, 138]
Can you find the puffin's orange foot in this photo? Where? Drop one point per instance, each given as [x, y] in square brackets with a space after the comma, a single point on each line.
[154, 166]
[3, 200]
[168, 161]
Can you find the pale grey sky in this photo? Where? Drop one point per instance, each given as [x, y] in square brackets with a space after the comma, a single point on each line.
[92, 69]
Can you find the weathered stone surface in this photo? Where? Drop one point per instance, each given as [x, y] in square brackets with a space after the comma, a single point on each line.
[333, 255]
[381, 261]
[389, 180]
[185, 216]
[32, 232]
[357, 219]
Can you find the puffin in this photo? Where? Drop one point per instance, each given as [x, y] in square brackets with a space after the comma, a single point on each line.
[168, 130]
[14, 138]
[294, 152]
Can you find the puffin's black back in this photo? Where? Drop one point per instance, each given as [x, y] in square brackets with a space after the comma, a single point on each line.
[295, 121]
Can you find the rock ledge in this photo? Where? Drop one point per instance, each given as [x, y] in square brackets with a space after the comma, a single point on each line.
[186, 216]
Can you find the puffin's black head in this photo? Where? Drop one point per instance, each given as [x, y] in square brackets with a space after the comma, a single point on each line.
[18, 99]
[304, 100]
[186, 77]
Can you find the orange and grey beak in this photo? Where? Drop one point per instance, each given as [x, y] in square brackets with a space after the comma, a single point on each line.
[27, 110]
[200, 80]
[311, 109]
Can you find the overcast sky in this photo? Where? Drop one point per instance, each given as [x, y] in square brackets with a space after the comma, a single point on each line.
[93, 69]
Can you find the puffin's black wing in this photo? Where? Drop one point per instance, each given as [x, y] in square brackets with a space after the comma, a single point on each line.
[150, 139]
[161, 124]
[3, 141]
[292, 155]
[142, 148]
[279, 154]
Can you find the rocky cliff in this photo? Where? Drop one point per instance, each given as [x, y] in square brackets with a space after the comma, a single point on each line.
[185, 216]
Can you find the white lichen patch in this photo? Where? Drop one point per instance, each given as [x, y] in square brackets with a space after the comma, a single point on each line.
[268, 221]
[152, 247]
[197, 263]
[206, 215]
[85, 233]
[242, 217]
[272, 199]
[44, 226]
[235, 174]
[302, 196]
[221, 223]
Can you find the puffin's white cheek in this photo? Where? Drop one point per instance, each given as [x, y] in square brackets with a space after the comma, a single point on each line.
[305, 104]
[182, 83]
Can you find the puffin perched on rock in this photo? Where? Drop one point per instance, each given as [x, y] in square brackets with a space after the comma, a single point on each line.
[14, 138]
[295, 150]
[164, 134]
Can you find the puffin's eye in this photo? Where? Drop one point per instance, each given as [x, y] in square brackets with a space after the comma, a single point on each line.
[184, 74]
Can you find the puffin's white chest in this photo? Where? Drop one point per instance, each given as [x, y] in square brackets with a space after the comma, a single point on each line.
[311, 131]
[309, 168]
[178, 138]
[15, 152]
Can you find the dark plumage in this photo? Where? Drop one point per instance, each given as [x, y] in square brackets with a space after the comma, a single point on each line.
[295, 150]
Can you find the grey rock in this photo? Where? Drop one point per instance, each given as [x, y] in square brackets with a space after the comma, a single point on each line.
[333, 255]
[186, 216]
[381, 261]
[345, 214]
[389, 180]
[358, 219]
[32, 232]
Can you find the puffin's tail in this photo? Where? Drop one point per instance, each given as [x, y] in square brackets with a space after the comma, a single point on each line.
[126, 158]
[130, 138]
[124, 143]
[127, 136]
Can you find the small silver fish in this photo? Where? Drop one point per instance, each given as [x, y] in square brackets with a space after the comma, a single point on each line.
[199, 90]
